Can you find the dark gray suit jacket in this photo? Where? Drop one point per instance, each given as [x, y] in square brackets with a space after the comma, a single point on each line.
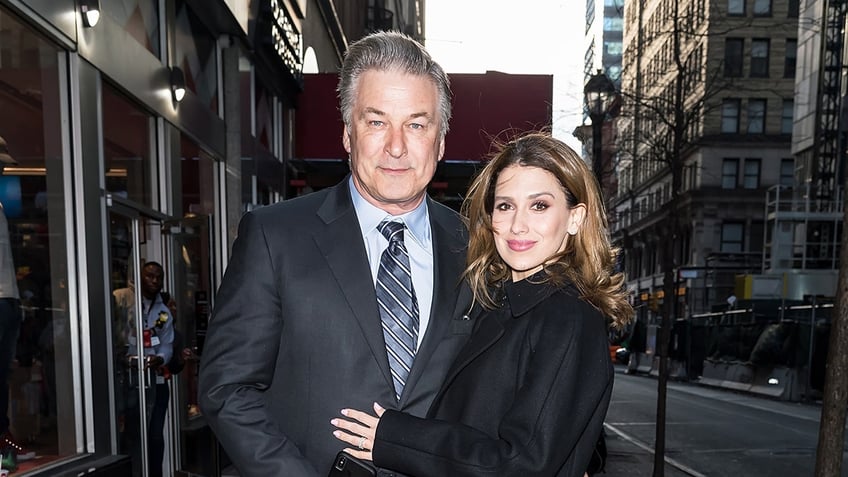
[295, 334]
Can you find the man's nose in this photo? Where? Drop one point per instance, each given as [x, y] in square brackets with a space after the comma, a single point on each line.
[396, 143]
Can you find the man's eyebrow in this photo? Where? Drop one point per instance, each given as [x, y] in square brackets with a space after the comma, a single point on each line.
[370, 110]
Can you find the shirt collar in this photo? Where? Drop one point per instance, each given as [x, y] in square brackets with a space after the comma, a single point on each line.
[370, 216]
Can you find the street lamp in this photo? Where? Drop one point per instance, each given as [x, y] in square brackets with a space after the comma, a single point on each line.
[600, 94]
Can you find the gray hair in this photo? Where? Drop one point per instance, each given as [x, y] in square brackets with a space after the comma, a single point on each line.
[386, 51]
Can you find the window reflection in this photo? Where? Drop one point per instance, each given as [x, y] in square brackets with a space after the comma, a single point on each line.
[126, 148]
[33, 200]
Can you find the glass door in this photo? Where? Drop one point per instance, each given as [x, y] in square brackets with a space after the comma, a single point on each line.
[189, 240]
[135, 238]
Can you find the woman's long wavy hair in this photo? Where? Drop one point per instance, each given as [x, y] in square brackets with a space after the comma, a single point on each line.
[588, 258]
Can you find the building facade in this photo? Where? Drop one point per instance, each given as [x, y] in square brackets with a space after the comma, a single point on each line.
[604, 39]
[706, 130]
[604, 47]
[142, 134]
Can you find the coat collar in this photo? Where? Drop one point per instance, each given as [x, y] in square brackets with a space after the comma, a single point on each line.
[526, 294]
[521, 297]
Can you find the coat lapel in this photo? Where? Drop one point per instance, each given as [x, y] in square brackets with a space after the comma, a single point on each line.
[489, 329]
[343, 249]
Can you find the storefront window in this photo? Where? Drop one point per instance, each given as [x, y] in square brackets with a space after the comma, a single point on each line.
[197, 56]
[264, 117]
[127, 148]
[140, 18]
[192, 289]
[269, 169]
[198, 187]
[34, 200]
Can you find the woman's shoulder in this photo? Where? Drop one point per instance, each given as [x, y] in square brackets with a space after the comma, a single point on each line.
[566, 308]
[568, 294]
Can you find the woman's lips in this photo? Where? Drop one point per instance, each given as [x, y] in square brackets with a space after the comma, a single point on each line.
[520, 245]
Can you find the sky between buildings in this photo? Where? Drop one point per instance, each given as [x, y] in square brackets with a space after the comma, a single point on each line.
[529, 37]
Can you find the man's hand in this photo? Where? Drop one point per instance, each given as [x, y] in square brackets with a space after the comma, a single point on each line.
[155, 361]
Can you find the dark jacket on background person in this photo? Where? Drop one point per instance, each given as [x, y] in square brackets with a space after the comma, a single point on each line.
[526, 396]
[296, 333]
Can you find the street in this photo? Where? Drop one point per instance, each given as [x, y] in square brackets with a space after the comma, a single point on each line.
[710, 432]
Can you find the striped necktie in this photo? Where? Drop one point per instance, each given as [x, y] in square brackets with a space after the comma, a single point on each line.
[397, 303]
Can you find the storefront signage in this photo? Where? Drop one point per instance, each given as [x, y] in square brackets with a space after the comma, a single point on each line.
[286, 40]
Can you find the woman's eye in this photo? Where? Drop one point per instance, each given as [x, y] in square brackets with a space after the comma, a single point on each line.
[539, 206]
[502, 206]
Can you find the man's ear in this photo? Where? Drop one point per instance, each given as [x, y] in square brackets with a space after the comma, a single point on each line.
[441, 149]
[346, 139]
[575, 219]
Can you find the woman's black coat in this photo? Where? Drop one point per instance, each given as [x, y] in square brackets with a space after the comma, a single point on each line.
[527, 395]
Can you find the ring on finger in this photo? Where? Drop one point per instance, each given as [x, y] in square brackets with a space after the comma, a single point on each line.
[361, 443]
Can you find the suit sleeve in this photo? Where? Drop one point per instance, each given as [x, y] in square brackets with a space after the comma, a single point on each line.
[551, 428]
[238, 362]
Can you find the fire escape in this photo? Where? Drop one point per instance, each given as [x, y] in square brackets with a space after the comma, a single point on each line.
[803, 230]
[828, 139]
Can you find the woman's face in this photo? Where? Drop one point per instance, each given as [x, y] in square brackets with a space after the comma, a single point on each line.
[531, 219]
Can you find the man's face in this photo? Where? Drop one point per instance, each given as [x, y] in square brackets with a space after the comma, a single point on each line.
[151, 281]
[393, 139]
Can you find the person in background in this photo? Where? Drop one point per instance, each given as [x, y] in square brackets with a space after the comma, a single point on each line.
[10, 326]
[528, 393]
[157, 325]
[348, 294]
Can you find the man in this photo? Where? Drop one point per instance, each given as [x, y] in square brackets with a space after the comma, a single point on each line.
[157, 341]
[297, 332]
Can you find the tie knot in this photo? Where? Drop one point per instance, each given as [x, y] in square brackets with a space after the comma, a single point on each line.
[393, 231]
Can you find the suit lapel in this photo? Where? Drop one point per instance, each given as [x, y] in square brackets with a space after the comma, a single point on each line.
[343, 248]
[449, 295]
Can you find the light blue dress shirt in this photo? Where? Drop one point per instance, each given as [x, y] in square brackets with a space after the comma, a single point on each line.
[419, 243]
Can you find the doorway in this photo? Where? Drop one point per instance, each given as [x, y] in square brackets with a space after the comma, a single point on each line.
[141, 391]
[195, 449]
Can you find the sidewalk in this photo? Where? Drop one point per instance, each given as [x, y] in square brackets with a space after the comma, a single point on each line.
[626, 458]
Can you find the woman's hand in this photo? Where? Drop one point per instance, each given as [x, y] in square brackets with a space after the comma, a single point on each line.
[358, 430]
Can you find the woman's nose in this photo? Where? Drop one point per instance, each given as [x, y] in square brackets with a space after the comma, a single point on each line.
[519, 222]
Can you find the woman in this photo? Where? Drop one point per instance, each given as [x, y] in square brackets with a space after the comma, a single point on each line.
[529, 392]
